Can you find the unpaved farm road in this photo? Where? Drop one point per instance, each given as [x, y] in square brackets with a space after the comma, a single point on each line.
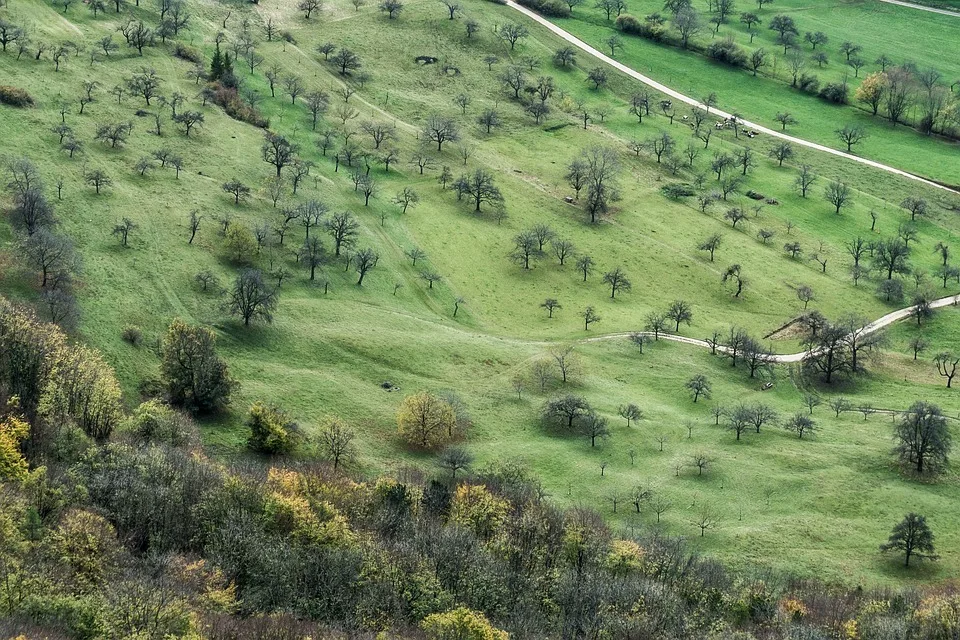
[945, 12]
[676, 95]
[876, 325]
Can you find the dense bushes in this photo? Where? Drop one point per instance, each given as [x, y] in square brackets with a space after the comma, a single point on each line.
[461, 623]
[678, 190]
[808, 83]
[55, 383]
[195, 376]
[271, 430]
[185, 52]
[155, 423]
[728, 52]
[229, 100]
[835, 92]
[551, 8]
[13, 431]
[629, 24]
[132, 334]
[15, 97]
[651, 28]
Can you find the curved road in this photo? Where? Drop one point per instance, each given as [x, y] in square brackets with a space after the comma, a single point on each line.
[874, 326]
[722, 114]
[945, 12]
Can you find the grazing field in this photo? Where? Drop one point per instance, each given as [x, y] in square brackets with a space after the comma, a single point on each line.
[816, 506]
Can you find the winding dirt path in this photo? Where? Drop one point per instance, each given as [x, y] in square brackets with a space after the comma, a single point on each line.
[920, 7]
[787, 358]
[676, 95]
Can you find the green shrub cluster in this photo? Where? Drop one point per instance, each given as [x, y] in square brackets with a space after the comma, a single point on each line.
[651, 28]
[835, 92]
[728, 52]
[550, 8]
[678, 190]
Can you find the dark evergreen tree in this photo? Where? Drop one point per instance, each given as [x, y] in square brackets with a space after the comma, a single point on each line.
[216, 65]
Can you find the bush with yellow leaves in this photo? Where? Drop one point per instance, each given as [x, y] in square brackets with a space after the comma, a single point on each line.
[625, 556]
[460, 624]
[62, 383]
[793, 609]
[937, 617]
[13, 431]
[475, 508]
[271, 430]
[425, 420]
[292, 511]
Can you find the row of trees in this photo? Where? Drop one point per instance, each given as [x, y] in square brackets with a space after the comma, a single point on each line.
[40, 243]
[895, 90]
[907, 95]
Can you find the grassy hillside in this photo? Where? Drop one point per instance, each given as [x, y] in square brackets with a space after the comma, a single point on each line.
[829, 501]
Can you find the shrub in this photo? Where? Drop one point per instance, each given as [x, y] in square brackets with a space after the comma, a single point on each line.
[196, 378]
[89, 392]
[755, 602]
[133, 335]
[288, 36]
[629, 24]
[624, 557]
[835, 92]
[556, 9]
[240, 243]
[185, 52]
[271, 430]
[425, 420]
[230, 102]
[460, 623]
[155, 423]
[13, 431]
[551, 8]
[651, 28]
[15, 97]
[808, 83]
[728, 52]
[477, 509]
[936, 616]
[677, 190]
[151, 387]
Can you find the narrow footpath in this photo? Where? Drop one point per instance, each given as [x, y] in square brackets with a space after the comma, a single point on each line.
[786, 358]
